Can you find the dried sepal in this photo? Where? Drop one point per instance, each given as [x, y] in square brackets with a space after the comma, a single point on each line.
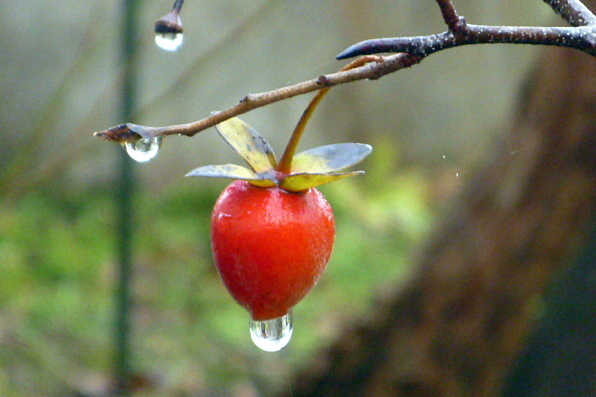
[309, 168]
[248, 143]
[301, 182]
[330, 158]
[233, 171]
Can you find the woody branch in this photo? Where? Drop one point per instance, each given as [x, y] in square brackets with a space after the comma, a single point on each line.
[581, 35]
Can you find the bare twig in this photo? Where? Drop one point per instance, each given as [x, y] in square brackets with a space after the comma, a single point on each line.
[581, 38]
[370, 68]
[573, 11]
[411, 50]
[449, 14]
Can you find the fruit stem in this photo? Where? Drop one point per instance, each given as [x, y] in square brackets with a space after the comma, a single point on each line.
[285, 163]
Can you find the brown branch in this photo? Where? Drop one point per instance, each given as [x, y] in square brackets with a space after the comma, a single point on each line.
[573, 11]
[452, 20]
[411, 50]
[581, 36]
[370, 68]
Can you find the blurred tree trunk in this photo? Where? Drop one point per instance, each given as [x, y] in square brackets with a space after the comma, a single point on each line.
[456, 328]
[559, 356]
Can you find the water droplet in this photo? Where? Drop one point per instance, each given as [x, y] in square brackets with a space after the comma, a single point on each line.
[272, 335]
[144, 149]
[168, 32]
[169, 41]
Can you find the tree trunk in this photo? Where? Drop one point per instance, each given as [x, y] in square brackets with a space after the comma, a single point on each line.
[456, 328]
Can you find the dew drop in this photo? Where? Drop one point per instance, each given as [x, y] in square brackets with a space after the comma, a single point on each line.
[168, 32]
[169, 41]
[144, 149]
[271, 335]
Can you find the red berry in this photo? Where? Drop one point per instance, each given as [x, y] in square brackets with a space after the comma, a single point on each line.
[270, 246]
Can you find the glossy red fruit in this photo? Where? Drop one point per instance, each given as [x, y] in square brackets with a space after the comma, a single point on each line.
[270, 246]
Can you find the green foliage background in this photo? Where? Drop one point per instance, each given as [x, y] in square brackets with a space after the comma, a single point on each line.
[58, 279]
[57, 210]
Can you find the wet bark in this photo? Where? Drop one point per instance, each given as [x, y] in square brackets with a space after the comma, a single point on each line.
[456, 328]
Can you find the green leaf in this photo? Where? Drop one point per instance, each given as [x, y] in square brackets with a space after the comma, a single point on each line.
[248, 143]
[233, 171]
[330, 158]
[300, 182]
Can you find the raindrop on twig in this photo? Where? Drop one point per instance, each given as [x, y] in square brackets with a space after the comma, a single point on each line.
[143, 149]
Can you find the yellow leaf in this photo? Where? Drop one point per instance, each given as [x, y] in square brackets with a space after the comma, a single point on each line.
[330, 158]
[301, 182]
[248, 143]
[233, 171]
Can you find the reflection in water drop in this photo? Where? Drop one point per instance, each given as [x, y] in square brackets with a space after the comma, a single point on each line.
[169, 41]
[271, 335]
[144, 149]
[168, 31]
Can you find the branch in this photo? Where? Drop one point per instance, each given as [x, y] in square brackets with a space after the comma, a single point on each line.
[573, 11]
[411, 50]
[370, 67]
[449, 14]
[581, 36]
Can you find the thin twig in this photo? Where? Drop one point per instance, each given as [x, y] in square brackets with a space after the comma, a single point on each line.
[449, 14]
[573, 11]
[411, 50]
[375, 68]
[581, 38]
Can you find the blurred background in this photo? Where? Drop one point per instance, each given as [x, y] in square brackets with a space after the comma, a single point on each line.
[60, 75]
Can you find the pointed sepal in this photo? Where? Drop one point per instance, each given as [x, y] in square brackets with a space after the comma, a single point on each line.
[248, 143]
[330, 158]
[301, 182]
[233, 171]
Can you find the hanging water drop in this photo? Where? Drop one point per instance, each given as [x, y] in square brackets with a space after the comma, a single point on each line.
[169, 41]
[271, 335]
[168, 31]
[143, 149]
